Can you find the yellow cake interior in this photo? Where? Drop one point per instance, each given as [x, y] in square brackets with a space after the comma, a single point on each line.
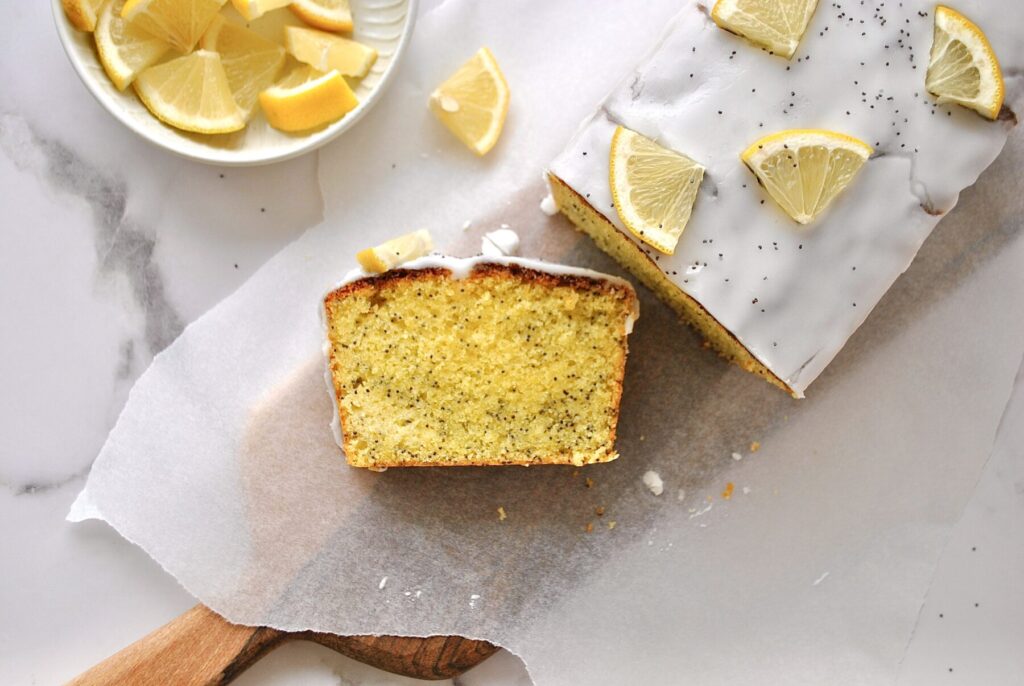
[508, 365]
[612, 241]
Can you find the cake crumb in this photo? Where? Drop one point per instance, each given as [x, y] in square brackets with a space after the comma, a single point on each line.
[737, 457]
[383, 583]
[466, 224]
[755, 446]
[746, 490]
[501, 514]
[589, 528]
[652, 480]
[575, 473]
[611, 524]
[589, 483]
[727, 493]
[681, 496]
[599, 511]
[641, 438]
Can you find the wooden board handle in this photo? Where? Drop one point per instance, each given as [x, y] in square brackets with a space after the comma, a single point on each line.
[201, 648]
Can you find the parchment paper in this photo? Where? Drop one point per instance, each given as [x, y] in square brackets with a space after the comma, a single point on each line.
[222, 466]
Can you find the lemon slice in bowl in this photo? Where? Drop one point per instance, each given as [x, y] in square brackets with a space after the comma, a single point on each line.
[963, 68]
[82, 14]
[329, 15]
[306, 99]
[473, 102]
[191, 93]
[804, 170]
[254, 9]
[776, 25]
[250, 62]
[325, 51]
[124, 50]
[391, 254]
[177, 22]
[653, 188]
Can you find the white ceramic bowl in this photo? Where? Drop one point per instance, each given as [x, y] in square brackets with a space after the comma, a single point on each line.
[384, 24]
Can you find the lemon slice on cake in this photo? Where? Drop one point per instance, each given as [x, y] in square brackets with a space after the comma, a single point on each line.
[124, 50]
[389, 255]
[963, 69]
[306, 99]
[177, 22]
[82, 14]
[253, 9]
[653, 188]
[805, 169]
[250, 62]
[777, 25]
[329, 15]
[325, 51]
[473, 102]
[191, 93]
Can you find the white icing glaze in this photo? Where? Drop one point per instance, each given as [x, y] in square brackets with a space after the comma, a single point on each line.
[793, 295]
[460, 268]
[500, 243]
[548, 206]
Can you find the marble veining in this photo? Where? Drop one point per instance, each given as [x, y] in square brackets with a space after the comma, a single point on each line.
[124, 245]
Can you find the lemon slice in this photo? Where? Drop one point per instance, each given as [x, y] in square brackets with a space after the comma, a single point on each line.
[653, 188]
[123, 49]
[963, 69]
[251, 62]
[178, 22]
[82, 14]
[473, 102]
[254, 9]
[191, 93]
[396, 251]
[307, 98]
[325, 51]
[805, 169]
[777, 25]
[329, 15]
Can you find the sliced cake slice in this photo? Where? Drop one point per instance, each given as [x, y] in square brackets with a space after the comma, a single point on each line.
[478, 361]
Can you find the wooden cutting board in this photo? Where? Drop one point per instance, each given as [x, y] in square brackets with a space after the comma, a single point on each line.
[201, 648]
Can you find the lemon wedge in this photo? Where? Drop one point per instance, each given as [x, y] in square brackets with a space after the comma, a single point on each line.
[776, 25]
[191, 93]
[306, 99]
[653, 188]
[397, 251]
[251, 62]
[254, 9]
[124, 50]
[82, 14]
[473, 102]
[805, 169]
[177, 22]
[963, 69]
[329, 15]
[325, 51]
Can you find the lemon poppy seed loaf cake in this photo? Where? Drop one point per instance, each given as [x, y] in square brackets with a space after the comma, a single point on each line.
[478, 361]
[775, 285]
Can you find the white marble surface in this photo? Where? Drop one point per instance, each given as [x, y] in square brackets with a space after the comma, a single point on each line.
[108, 248]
